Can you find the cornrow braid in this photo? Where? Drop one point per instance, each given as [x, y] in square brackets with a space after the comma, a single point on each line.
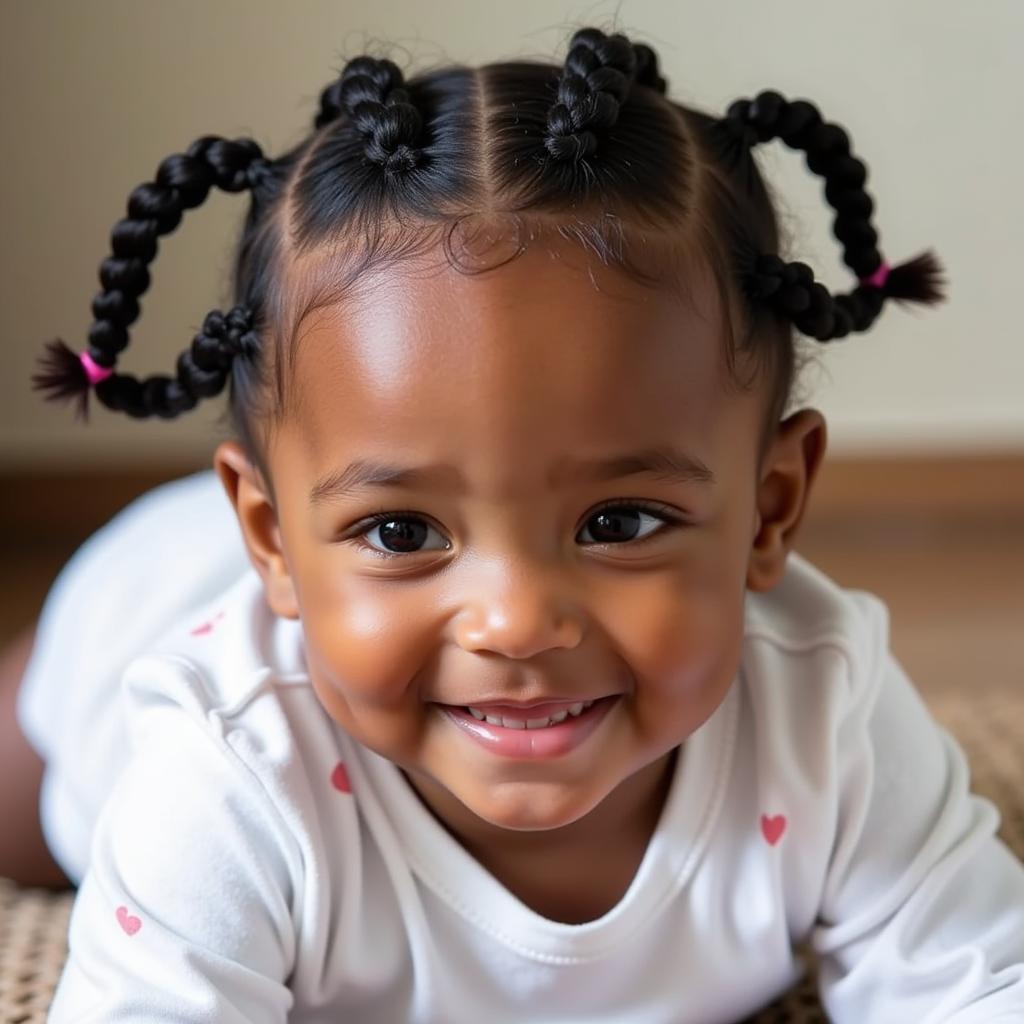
[598, 73]
[790, 288]
[183, 181]
[373, 94]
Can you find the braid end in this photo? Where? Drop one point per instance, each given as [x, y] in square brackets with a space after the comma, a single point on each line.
[918, 280]
[63, 378]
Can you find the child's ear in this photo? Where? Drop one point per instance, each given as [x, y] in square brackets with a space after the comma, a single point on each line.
[786, 476]
[258, 521]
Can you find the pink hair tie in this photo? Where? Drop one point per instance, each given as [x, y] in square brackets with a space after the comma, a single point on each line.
[878, 278]
[93, 370]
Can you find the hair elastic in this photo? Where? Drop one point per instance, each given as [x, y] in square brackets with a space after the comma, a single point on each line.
[93, 370]
[878, 278]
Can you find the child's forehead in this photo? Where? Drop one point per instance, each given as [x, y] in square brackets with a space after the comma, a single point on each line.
[558, 329]
[539, 356]
[551, 289]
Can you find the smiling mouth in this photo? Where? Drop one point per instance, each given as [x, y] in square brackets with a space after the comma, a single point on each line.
[543, 739]
[539, 717]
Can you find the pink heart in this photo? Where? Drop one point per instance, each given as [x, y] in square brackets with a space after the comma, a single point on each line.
[206, 627]
[772, 828]
[130, 924]
[339, 778]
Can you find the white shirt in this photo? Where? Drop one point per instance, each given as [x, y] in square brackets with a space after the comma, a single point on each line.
[253, 863]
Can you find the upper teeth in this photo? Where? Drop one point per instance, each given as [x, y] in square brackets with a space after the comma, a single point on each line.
[531, 723]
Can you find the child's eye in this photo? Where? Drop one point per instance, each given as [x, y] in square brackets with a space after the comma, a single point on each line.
[403, 532]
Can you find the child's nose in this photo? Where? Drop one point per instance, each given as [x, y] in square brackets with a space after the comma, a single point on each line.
[521, 615]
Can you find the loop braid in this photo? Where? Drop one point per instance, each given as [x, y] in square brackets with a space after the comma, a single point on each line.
[223, 336]
[598, 74]
[790, 287]
[183, 181]
[374, 95]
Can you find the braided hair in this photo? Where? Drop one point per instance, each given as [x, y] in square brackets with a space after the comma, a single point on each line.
[593, 147]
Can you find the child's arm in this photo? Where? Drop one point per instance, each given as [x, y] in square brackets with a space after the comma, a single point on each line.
[185, 912]
[922, 914]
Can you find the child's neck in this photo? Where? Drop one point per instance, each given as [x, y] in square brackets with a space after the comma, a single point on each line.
[555, 872]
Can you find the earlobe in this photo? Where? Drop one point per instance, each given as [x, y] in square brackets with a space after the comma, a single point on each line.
[257, 519]
[783, 492]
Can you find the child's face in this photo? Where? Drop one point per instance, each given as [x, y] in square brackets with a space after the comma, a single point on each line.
[505, 583]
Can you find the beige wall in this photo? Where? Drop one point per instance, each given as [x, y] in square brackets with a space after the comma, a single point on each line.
[94, 95]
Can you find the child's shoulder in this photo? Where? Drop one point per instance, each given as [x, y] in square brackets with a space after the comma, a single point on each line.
[190, 513]
[808, 606]
[228, 686]
[809, 617]
[216, 660]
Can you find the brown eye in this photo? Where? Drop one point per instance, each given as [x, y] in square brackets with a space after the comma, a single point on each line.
[621, 523]
[399, 534]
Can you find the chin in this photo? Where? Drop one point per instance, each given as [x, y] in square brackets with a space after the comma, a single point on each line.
[520, 808]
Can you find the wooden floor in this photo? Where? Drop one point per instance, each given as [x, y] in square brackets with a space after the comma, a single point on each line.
[954, 582]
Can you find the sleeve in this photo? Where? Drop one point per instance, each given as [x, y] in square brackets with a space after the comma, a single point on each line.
[103, 610]
[185, 911]
[184, 533]
[922, 916]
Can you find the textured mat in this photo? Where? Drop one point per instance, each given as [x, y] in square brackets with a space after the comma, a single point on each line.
[990, 726]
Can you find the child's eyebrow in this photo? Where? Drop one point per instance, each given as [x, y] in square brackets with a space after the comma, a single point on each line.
[663, 461]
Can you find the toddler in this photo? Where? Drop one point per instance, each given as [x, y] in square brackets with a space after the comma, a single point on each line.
[403, 730]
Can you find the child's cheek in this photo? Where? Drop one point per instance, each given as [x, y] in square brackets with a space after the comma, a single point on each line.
[683, 643]
[365, 641]
[362, 683]
[372, 646]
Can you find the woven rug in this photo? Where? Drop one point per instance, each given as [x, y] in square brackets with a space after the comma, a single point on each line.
[990, 726]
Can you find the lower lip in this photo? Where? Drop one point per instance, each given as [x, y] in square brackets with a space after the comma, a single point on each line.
[535, 744]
